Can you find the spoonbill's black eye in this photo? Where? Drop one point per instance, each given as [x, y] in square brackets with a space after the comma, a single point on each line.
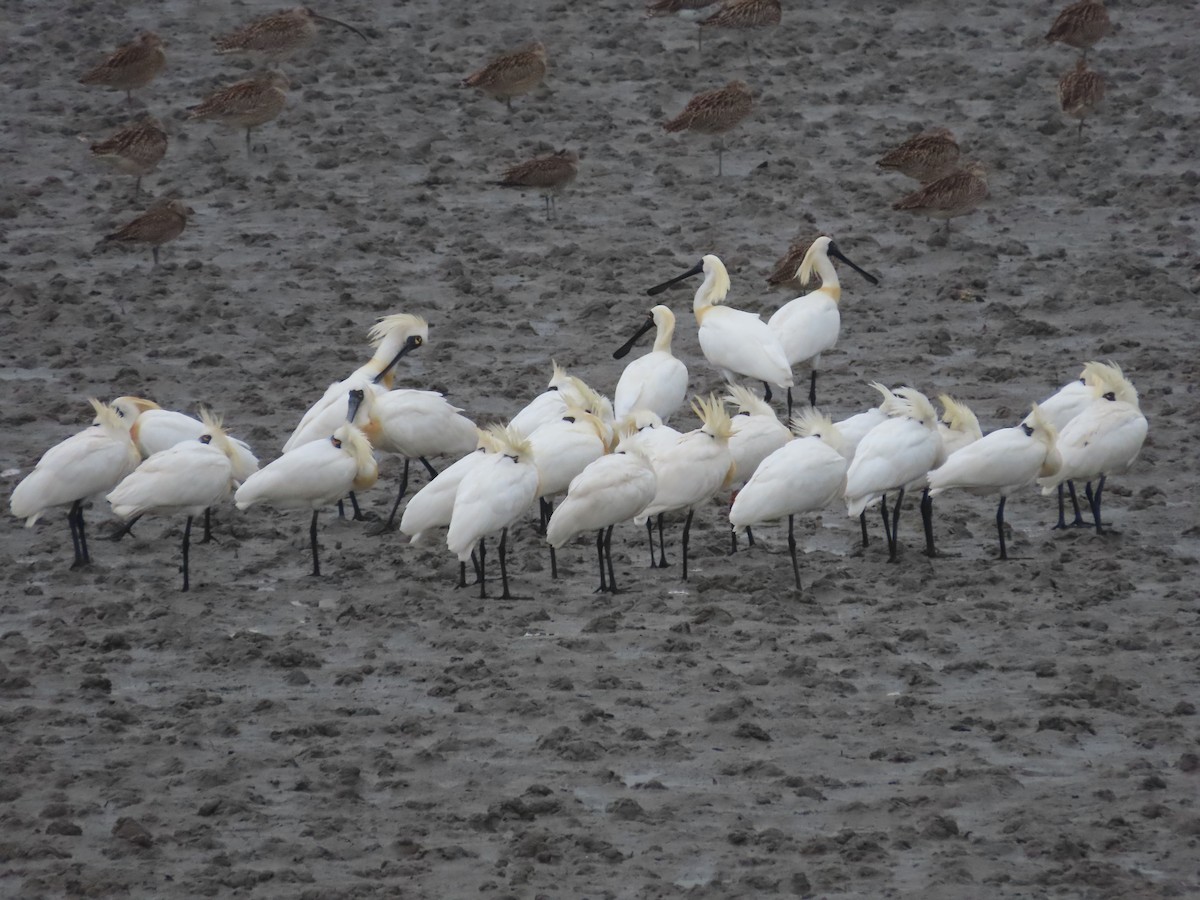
[337, 443]
[1111, 395]
[510, 456]
[1028, 431]
[206, 438]
[570, 419]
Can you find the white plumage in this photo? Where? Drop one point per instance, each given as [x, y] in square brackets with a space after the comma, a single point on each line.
[156, 429]
[657, 381]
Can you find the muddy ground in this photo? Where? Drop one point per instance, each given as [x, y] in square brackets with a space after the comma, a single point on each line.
[946, 728]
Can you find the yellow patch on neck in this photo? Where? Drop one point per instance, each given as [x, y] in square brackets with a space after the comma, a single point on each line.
[833, 290]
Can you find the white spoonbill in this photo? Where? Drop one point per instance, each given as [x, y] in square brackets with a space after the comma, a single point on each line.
[809, 325]
[893, 455]
[734, 341]
[1000, 462]
[89, 462]
[314, 475]
[804, 475]
[393, 337]
[187, 478]
[692, 470]
[657, 381]
[645, 430]
[548, 406]
[416, 425]
[757, 433]
[1058, 409]
[156, 429]
[560, 451]
[610, 490]
[493, 495]
[1102, 440]
[854, 428]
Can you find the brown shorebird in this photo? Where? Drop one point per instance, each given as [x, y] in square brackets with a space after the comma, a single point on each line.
[130, 67]
[276, 37]
[950, 196]
[1080, 92]
[162, 222]
[547, 174]
[511, 74]
[786, 274]
[245, 104]
[1080, 25]
[925, 157]
[134, 150]
[655, 8]
[714, 112]
[743, 14]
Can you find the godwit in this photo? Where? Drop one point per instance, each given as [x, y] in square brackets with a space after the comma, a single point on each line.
[313, 475]
[186, 479]
[1080, 25]
[1104, 439]
[925, 157]
[493, 495]
[810, 324]
[163, 222]
[134, 150]
[950, 196]
[547, 174]
[276, 37]
[89, 462]
[246, 104]
[714, 112]
[804, 475]
[1080, 92]
[658, 380]
[511, 74]
[1000, 462]
[132, 66]
[611, 490]
[786, 274]
[744, 14]
[734, 341]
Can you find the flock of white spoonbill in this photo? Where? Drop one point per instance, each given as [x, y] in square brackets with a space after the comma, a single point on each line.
[613, 462]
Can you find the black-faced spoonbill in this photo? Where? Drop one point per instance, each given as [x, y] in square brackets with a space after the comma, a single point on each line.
[804, 475]
[610, 490]
[810, 324]
[1058, 409]
[491, 496]
[313, 475]
[736, 342]
[187, 478]
[657, 381]
[89, 462]
[1000, 462]
[893, 455]
[1104, 439]
[693, 469]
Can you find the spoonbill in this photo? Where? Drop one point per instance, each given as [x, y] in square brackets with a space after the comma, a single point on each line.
[804, 475]
[187, 478]
[734, 341]
[610, 490]
[1104, 439]
[854, 428]
[560, 451]
[957, 428]
[1058, 409]
[757, 433]
[657, 381]
[89, 462]
[313, 475]
[156, 429]
[548, 406]
[416, 425]
[393, 337]
[1000, 462]
[809, 325]
[893, 455]
[492, 495]
[645, 430]
[692, 470]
